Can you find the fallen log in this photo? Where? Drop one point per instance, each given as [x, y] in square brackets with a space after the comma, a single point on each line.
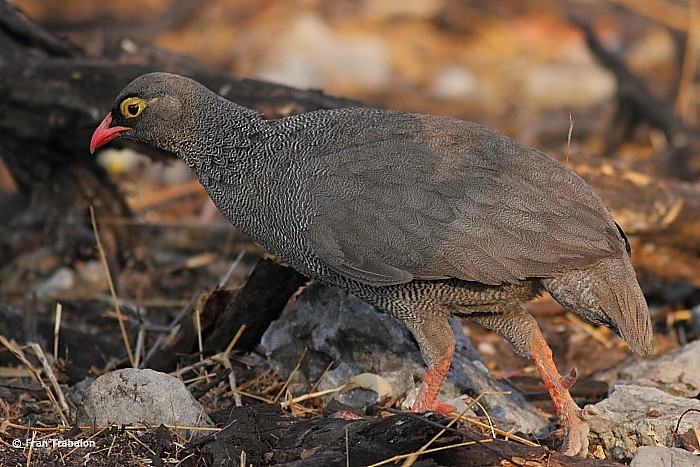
[264, 435]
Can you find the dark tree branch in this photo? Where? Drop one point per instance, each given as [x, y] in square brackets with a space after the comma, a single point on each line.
[636, 104]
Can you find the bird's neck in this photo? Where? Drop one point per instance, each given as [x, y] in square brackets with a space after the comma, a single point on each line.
[213, 140]
[237, 160]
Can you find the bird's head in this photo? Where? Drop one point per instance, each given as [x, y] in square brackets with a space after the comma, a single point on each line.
[150, 109]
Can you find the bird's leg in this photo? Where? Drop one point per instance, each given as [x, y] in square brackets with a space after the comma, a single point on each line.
[520, 329]
[437, 344]
[427, 398]
[573, 419]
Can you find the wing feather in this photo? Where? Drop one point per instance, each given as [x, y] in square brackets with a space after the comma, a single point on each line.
[417, 197]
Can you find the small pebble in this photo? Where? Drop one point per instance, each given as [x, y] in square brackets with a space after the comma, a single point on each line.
[61, 280]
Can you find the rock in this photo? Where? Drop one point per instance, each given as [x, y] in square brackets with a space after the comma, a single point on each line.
[121, 161]
[561, 85]
[75, 393]
[135, 397]
[60, 281]
[338, 327]
[635, 416]
[454, 82]
[92, 272]
[661, 456]
[308, 52]
[676, 373]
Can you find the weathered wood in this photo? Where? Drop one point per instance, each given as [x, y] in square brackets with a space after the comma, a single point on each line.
[270, 437]
[259, 302]
[222, 312]
[661, 215]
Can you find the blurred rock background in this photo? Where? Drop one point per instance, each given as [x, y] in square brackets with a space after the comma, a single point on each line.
[506, 64]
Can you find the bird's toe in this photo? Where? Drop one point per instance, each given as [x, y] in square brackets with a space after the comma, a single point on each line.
[575, 438]
[587, 412]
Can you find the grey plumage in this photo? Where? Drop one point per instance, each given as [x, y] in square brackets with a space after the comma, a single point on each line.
[421, 216]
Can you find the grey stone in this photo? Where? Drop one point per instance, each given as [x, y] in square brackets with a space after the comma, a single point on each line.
[92, 272]
[455, 82]
[661, 456]
[310, 52]
[635, 416]
[61, 280]
[337, 327]
[676, 373]
[74, 393]
[132, 396]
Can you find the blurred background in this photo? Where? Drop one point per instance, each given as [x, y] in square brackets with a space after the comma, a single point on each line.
[512, 65]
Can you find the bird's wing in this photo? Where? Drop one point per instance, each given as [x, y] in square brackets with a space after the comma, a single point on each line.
[434, 198]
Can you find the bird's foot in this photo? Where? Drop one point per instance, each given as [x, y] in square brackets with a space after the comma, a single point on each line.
[428, 404]
[444, 408]
[438, 407]
[574, 421]
[576, 430]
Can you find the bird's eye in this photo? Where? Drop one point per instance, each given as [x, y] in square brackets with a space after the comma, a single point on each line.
[132, 107]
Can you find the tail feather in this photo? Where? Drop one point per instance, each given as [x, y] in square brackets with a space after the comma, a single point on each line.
[607, 293]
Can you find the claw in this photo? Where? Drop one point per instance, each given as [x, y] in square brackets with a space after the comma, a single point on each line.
[568, 380]
[443, 408]
[587, 412]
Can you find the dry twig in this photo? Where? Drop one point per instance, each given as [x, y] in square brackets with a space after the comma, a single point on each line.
[112, 291]
[35, 373]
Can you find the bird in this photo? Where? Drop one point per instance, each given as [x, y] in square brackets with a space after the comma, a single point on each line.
[421, 216]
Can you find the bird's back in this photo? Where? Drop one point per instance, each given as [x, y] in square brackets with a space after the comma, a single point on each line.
[395, 197]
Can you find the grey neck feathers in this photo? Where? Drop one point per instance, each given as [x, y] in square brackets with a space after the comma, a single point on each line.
[233, 156]
[221, 142]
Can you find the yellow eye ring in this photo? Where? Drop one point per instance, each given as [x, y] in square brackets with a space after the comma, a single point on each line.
[132, 107]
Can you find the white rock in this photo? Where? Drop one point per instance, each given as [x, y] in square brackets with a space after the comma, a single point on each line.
[120, 161]
[61, 280]
[676, 373]
[634, 416]
[455, 82]
[560, 85]
[93, 272]
[135, 397]
[309, 53]
[661, 456]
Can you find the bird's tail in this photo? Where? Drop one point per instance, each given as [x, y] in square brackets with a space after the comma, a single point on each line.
[607, 293]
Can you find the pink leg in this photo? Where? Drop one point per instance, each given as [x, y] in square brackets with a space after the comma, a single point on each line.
[573, 419]
[427, 398]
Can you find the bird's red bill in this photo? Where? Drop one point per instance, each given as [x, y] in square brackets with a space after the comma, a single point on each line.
[104, 133]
